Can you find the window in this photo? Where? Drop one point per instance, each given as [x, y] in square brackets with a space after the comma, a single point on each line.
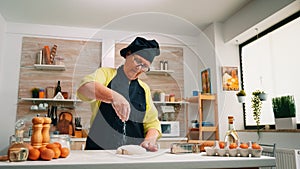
[270, 62]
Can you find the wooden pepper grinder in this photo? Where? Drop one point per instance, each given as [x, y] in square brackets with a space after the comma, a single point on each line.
[37, 137]
[46, 131]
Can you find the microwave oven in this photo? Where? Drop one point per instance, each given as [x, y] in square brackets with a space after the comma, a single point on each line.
[170, 128]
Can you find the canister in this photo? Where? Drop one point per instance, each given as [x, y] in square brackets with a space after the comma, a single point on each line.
[161, 65]
[166, 65]
[172, 98]
[42, 93]
[162, 96]
[50, 92]
[39, 57]
[63, 139]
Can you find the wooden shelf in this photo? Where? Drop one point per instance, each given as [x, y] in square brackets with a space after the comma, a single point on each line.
[199, 100]
[49, 67]
[207, 97]
[180, 102]
[160, 72]
[195, 99]
[49, 100]
[205, 129]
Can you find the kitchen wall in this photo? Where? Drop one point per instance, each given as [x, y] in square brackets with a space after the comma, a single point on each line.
[2, 40]
[79, 58]
[12, 57]
[226, 55]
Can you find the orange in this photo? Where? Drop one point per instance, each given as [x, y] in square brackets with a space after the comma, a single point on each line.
[233, 145]
[256, 146]
[58, 144]
[56, 152]
[42, 148]
[34, 154]
[244, 146]
[64, 152]
[29, 146]
[221, 145]
[52, 145]
[47, 154]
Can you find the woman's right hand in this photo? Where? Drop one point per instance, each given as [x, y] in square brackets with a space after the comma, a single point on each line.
[121, 106]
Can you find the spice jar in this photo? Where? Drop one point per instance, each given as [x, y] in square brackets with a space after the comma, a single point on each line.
[161, 65]
[42, 93]
[167, 97]
[162, 96]
[172, 98]
[166, 65]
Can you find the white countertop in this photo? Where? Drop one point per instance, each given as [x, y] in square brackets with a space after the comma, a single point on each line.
[84, 139]
[151, 160]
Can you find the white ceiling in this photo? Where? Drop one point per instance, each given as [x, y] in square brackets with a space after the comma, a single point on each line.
[127, 15]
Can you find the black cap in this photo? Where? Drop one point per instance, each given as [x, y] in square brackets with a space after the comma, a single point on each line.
[147, 49]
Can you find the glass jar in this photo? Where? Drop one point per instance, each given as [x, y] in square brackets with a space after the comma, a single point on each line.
[172, 98]
[17, 150]
[42, 93]
[63, 139]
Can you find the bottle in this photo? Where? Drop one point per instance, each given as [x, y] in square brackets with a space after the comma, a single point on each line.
[58, 88]
[231, 134]
[18, 151]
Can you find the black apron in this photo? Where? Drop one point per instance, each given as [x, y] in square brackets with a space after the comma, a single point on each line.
[107, 131]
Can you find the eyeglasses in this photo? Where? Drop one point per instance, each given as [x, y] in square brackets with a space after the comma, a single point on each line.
[141, 65]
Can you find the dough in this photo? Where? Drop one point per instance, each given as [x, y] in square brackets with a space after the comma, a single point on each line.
[131, 150]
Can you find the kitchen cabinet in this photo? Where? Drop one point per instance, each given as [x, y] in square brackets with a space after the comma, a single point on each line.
[201, 100]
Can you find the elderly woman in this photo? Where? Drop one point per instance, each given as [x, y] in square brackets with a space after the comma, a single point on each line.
[123, 111]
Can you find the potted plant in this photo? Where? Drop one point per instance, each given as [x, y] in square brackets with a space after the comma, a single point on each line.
[284, 112]
[256, 106]
[35, 92]
[156, 96]
[263, 96]
[195, 123]
[241, 95]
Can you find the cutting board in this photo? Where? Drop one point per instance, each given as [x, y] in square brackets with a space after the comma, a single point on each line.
[65, 123]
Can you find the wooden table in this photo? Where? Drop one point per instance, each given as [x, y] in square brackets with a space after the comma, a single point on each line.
[162, 159]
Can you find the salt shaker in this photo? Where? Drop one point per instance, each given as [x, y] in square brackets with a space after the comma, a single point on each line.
[166, 65]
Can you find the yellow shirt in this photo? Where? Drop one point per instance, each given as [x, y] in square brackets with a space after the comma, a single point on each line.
[104, 76]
